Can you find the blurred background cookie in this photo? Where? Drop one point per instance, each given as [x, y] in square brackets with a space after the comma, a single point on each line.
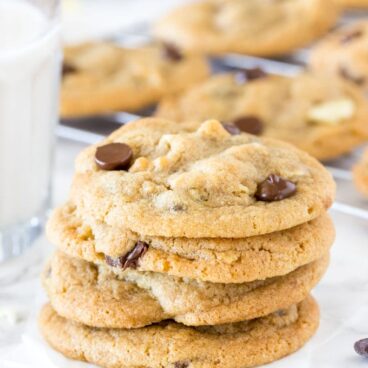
[101, 77]
[254, 27]
[326, 116]
[344, 52]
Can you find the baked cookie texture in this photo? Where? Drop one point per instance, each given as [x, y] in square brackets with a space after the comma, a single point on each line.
[360, 174]
[169, 344]
[345, 53]
[323, 115]
[219, 260]
[198, 180]
[103, 77]
[95, 296]
[255, 27]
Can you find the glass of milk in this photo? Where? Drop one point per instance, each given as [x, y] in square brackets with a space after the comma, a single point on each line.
[30, 64]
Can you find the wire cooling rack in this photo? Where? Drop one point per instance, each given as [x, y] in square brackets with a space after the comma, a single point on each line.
[92, 129]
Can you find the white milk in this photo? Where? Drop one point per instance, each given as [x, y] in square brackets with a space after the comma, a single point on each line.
[29, 81]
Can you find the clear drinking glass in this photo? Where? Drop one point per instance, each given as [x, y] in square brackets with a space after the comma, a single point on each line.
[30, 63]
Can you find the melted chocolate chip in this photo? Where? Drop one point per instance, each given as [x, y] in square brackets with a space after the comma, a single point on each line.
[181, 364]
[275, 188]
[347, 75]
[232, 129]
[68, 69]
[351, 36]
[130, 259]
[247, 75]
[171, 52]
[114, 156]
[249, 124]
[361, 347]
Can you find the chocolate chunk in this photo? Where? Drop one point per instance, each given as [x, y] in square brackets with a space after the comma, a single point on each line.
[181, 364]
[68, 69]
[347, 75]
[232, 129]
[275, 188]
[351, 36]
[361, 347]
[249, 74]
[114, 156]
[249, 124]
[130, 259]
[171, 52]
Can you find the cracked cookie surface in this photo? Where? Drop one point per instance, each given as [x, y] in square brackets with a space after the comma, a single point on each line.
[172, 345]
[102, 77]
[255, 27]
[96, 296]
[197, 180]
[323, 115]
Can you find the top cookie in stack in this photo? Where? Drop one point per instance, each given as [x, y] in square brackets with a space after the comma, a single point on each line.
[221, 232]
[194, 198]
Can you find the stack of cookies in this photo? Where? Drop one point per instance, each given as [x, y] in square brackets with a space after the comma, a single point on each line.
[187, 245]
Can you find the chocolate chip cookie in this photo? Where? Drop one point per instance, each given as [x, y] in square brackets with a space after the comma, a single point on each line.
[255, 27]
[102, 77]
[198, 180]
[323, 115]
[96, 296]
[344, 53]
[218, 260]
[173, 345]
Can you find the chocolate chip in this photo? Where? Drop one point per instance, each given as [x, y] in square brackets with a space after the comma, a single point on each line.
[351, 36]
[181, 364]
[68, 69]
[249, 124]
[232, 129]
[177, 207]
[171, 52]
[249, 74]
[130, 259]
[114, 156]
[361, 347]
[347, 75]
[275, 188]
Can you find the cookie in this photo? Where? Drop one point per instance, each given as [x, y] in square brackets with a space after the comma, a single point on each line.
[201, 183]
[102, 77]
[255, 27]
[172, 345]
[360, 174]
[344, 53]
[214, 260]
[95, 296]
[323, 115]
